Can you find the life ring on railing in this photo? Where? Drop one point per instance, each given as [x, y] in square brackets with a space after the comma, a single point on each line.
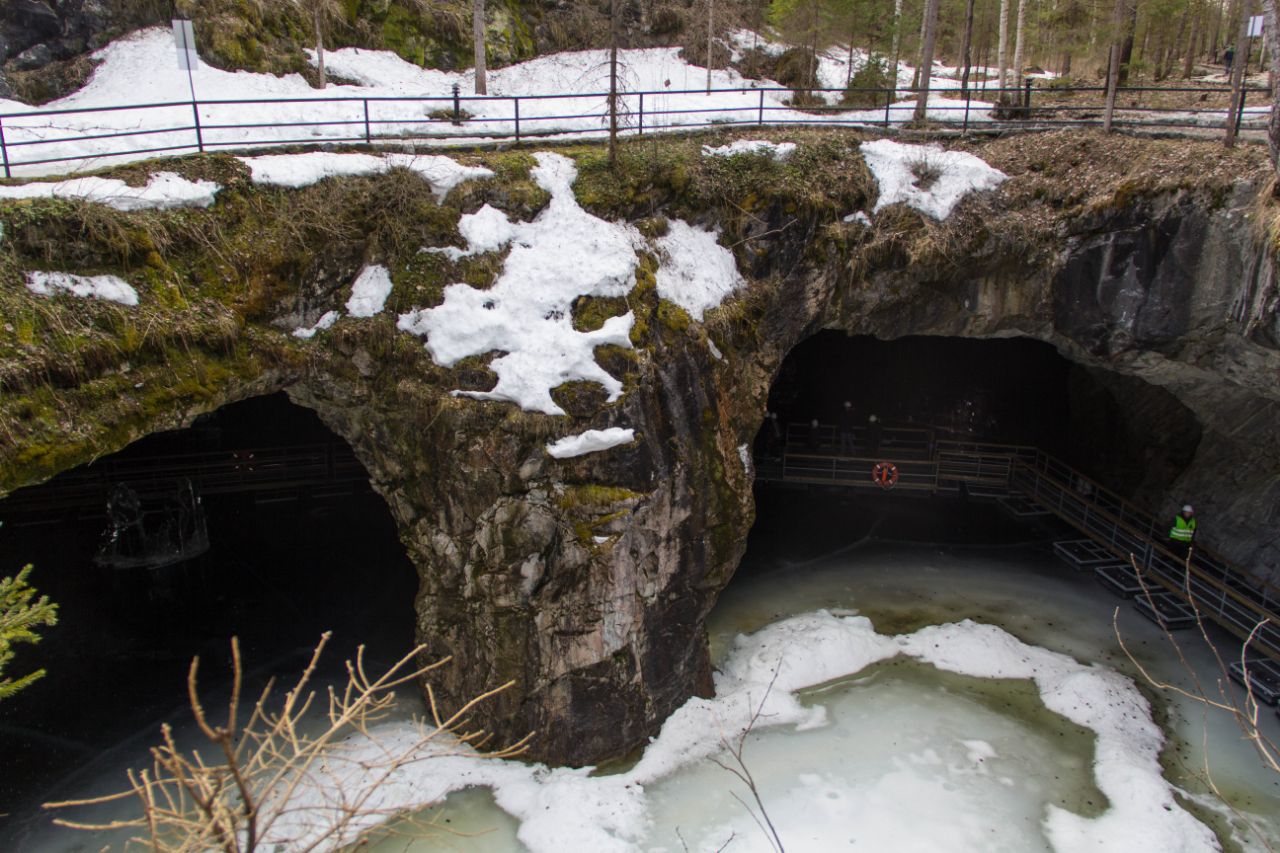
[885, 475]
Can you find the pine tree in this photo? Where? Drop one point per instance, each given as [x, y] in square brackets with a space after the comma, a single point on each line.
[20, 616]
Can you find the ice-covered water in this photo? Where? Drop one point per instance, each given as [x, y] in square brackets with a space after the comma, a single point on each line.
[911, 757]
[914, 758]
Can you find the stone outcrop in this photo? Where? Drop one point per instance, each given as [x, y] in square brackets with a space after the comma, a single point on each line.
[586, 581]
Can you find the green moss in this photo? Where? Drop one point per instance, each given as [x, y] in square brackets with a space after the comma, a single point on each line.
[580, 399]
[594, 496]
[591, 312]
[673, 317]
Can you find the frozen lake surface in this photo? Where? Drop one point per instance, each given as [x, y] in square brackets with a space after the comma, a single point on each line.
[898, 755]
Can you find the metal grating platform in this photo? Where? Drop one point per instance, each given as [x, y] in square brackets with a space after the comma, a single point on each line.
[1120, 579]
[1020, 506]
[1264, 678]
[1166, 610]
[1083, 553]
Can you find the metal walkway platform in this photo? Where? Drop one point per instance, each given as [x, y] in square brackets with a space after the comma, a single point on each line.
[1030, 483]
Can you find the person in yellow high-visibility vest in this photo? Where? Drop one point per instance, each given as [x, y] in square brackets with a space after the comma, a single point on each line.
[1183, 532]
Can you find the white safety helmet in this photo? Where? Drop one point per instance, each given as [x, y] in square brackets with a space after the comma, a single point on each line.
[872, 419]
[1188, 508]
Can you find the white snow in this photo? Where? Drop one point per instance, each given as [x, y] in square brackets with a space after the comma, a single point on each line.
[326, 320]
[369, 291]
[526, 315]
[776, 150]
[715, 350]
[402, 97]
[301, 170]
[563, 809]
[163, 190]
[696, 272]
[859, 217]
[591, 441]
[486, 230]
[744, 453]
[106, 287]
[959, 173]
[1143, 813]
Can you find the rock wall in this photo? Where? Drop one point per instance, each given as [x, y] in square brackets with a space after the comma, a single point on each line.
[587, 581]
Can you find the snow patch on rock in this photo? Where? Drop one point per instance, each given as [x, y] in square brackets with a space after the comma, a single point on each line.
[303, 170]
[326, 320]
[591, 441]
[776, 150]
[526, 315]
[108, 288]
[369, 291]
[696, 272]
[164, 190]
[955, 174]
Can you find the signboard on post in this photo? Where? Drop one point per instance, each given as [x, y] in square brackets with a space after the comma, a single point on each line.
[184, 37]
[1255, 26]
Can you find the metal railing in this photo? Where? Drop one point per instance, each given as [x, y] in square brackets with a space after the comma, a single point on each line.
[256, 469]
[32, 140]
[1220, 590]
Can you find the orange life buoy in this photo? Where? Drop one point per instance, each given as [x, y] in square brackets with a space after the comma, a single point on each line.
[885, 475]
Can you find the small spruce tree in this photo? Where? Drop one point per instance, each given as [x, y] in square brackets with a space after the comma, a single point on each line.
[21, 613]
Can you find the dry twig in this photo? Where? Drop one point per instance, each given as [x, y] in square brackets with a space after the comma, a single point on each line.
[251, 797]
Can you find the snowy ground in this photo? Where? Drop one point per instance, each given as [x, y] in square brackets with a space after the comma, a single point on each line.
[141, 69]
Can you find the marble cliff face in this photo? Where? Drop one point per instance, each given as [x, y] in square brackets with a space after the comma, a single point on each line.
[586, 580]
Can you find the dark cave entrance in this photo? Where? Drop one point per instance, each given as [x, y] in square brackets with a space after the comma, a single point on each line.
[1126, 434]
[299, 544]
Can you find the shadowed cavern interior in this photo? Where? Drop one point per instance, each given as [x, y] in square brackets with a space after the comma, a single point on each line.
[297, 547]
[1132, 437]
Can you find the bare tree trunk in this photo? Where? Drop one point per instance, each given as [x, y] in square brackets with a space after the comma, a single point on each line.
[1118, 20]
[965, 47]
[477, 38]
[1002, 48]
[924, 25]
[1126, 49]
[1238, 63]
[315, 16]
[613, 82]
[1018, 63]
[897, 44]
[1189, 61]
[926, 58]
[711, 5]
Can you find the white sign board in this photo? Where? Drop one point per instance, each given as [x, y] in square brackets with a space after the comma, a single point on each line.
[184, 36]
[1255, 26]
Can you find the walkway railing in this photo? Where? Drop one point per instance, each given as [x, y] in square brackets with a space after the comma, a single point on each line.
[1221, 591]
[38, 141]
[258, 469]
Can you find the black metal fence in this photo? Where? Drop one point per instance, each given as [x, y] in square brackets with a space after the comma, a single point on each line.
[33, 141]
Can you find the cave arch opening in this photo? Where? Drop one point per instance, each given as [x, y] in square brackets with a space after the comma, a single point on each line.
[298, 544]
[1128, 435]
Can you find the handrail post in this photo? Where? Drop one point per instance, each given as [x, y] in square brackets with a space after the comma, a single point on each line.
[967, 95]
[641, 128]
[888, 102]
[195, 111]
[368, 137]
[1026, 101]
[457, 107]
[4, 153]
[1244, 91]
[516, 104]
[762, 106]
